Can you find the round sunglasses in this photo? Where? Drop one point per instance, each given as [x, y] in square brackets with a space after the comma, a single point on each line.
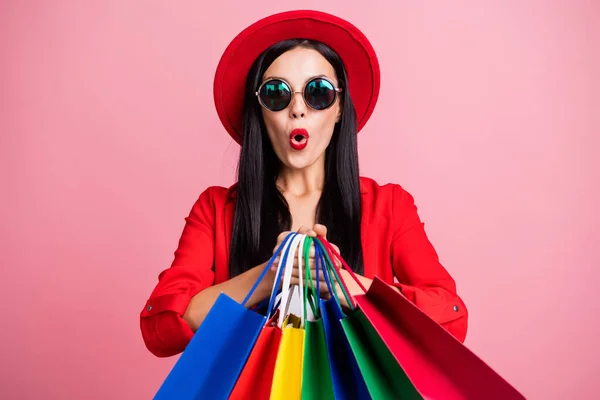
[276, 94]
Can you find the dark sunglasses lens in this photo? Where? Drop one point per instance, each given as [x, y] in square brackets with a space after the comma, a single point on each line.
[275, 95]
[319, 94]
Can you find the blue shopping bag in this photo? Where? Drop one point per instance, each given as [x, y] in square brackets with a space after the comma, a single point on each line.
[209, 366]
[348, 382]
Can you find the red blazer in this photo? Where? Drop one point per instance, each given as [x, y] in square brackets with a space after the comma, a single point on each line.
[394, 244]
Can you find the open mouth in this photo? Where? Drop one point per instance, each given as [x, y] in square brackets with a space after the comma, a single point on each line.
[299, 139]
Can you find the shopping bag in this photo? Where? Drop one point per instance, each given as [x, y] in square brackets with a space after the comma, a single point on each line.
[383, 375]
[316, 374]
[347, 380]
[213, 359]
[438, 365]
[375, 372]
[287, 376]
[256, 378]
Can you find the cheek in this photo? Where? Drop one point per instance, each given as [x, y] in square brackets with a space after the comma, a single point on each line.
[273, 121]
[269, 122]
[327, 122]
[274, 124]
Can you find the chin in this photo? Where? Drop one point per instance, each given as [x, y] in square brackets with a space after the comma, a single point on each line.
[299, 161]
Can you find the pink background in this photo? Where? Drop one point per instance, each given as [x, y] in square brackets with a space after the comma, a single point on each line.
[489, 115]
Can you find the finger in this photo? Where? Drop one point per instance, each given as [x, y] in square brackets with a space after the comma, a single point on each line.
[328, 251]
[311, 259]
[303, 230]
[321, 287]
[296, 281]
[311, 252]
[313, 274]
[280, 238]
[279, 258]
[320, 230]
[321, 275]
[307, 231]
[312, 263]
[311, 256]
[296, 270]
[332, 255]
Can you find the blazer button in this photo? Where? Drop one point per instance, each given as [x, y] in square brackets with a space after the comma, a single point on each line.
[455, 308]
[149, 308]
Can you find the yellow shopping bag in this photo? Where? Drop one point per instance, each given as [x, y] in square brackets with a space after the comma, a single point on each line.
[287, 378]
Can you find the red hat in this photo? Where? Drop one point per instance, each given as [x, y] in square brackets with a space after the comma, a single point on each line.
[344, 38]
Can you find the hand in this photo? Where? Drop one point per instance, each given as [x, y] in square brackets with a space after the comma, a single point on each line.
[318, 230]
[353, 287]
[321, 230]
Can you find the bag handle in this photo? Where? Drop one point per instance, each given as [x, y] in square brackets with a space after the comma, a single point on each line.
[264, 272]
[277, 283]
[301, 282]
[332, 274]
[313, 298]
[286, 294]
[320, 267]
[330, 252]
[309, 298]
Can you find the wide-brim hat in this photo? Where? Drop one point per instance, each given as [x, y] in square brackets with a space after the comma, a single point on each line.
[353, 47]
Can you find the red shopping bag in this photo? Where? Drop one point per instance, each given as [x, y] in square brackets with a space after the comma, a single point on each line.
[439, 365]
[256, 377]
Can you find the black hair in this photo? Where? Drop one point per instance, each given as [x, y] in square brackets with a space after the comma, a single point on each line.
[261, 211]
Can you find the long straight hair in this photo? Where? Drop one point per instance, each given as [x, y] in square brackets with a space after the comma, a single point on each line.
[261, 211]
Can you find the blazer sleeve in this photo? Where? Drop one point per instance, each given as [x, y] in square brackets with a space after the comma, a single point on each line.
[164, 330]
[422, 278]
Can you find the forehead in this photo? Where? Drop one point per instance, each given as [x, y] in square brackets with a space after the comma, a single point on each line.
[298, 65]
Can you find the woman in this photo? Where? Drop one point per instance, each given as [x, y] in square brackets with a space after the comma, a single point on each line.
[296, 106]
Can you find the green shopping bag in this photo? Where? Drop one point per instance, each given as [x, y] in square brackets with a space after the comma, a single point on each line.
[383, 376]
[316, 376]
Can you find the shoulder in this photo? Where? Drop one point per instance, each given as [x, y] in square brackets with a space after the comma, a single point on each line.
[372, 189]
[387, 201]
[215, 197]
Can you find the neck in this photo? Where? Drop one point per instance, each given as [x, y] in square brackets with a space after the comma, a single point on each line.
[302, 182]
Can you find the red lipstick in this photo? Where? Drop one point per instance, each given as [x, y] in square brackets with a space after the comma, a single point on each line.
[299, 139]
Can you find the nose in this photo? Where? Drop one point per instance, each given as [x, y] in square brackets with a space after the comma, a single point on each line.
[298, 106]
